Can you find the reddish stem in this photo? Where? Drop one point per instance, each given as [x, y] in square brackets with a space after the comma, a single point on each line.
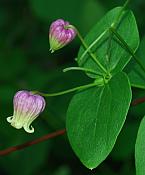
[33, 142]
[138, 101]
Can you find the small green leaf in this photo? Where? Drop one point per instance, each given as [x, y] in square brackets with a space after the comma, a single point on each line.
[140, 149]
[108, 50]
[137, 75]
[95, 117]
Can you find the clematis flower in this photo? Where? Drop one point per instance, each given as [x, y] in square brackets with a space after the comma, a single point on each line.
[60, 34]
[27, 108]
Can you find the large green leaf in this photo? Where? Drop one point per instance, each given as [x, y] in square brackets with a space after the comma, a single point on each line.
[95, 117]
[136, 74]
[108, 50]
[140, 149]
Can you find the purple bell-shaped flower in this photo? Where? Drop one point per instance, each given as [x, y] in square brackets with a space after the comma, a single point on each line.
[27, 108]
[60, 34]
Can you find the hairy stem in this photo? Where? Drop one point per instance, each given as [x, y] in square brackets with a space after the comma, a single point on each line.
[33, 142]
[138, 101]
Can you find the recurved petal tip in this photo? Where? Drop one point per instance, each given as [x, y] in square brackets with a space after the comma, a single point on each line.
[29, 129]
[27, 107]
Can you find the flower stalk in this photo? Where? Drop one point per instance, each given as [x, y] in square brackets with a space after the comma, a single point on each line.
[94, 58]
[66, 91]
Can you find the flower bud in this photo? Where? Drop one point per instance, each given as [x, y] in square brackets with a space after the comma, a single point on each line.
[60, 34]
[27, 108]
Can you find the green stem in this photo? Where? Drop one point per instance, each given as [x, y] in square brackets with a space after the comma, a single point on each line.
[126, 4]
[118, 36]
[120, 14]
[66, 91]
[91, 54]
[102, 34]
[138, 86]
[81, 69]
[93, 43]
[88, 50]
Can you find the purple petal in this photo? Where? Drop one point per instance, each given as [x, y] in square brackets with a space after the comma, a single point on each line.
[60, 35]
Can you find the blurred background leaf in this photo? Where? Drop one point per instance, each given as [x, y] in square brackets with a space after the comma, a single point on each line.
[25, 63]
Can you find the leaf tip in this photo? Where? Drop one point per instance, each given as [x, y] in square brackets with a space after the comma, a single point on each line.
[91, 169]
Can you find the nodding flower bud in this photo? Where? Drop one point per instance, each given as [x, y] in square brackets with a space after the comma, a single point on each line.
[27, 108]
[60, 34]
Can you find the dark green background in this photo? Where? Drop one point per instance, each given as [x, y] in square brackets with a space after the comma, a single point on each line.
[25, 63]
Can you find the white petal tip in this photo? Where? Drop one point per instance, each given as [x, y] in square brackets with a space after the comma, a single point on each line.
[28, 129]
[9, 119]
